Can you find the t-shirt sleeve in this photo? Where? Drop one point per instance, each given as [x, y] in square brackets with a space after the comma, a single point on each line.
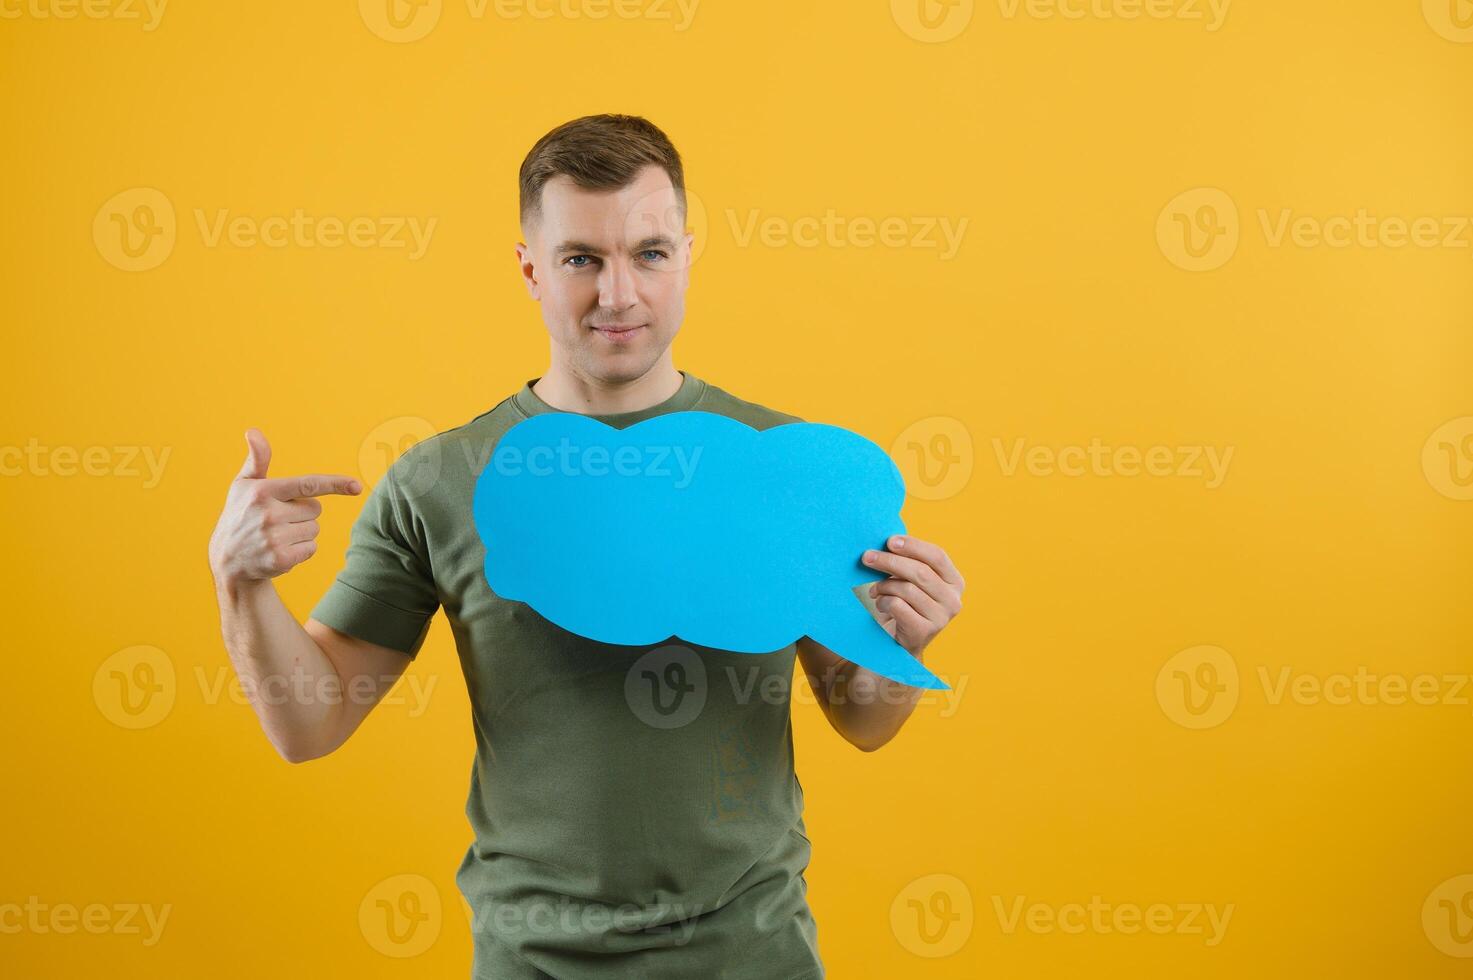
[385, 593]
[783, 418]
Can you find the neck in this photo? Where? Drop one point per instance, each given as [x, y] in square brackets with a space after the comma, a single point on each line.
[569, 390]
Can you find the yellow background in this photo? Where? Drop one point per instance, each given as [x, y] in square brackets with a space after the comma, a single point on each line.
[1061, 776]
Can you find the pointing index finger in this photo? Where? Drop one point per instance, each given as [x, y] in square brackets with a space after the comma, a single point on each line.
[313, 485]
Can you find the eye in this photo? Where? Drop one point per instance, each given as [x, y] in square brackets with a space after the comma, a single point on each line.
[579, 261]
[653, 255]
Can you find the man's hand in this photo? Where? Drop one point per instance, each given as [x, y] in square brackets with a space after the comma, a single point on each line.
[922, 594]
[269, 526]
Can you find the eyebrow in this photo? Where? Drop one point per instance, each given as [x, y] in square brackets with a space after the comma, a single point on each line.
[583, 248]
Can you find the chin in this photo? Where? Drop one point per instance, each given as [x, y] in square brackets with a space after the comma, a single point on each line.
[619, 367]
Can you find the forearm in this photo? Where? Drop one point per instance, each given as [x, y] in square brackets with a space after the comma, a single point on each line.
[290, 682]
[865, 708]
[922, 594]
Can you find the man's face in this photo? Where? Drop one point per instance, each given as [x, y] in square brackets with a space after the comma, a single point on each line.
[610, 270]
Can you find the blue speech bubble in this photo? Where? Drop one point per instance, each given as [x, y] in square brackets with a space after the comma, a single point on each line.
[696, 526]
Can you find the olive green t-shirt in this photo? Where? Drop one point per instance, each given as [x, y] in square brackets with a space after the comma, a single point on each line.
[636, 809]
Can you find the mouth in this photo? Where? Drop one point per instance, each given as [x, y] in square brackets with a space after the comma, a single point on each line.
[620, 333]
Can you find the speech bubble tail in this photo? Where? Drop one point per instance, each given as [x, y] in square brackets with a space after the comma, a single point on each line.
[858, 638]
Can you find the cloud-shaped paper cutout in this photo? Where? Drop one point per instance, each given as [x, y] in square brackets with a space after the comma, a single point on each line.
[696, 526]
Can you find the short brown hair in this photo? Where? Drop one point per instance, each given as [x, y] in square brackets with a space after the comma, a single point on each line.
[603, 152]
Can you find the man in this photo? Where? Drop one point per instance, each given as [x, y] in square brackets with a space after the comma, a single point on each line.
[609, 842]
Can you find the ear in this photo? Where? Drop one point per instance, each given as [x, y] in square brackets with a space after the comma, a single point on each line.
[529, 270]
[690, 243]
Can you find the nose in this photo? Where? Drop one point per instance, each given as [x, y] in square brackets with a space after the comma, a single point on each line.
[616, 284]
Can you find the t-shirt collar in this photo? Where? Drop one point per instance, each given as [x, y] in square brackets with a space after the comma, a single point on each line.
[691, 388]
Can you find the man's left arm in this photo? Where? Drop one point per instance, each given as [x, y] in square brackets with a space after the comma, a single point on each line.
[922, 595]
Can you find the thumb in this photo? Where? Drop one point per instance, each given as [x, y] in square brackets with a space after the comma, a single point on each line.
[258, 457]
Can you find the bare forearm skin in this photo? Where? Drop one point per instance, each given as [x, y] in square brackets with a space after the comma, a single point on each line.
[866, 709]
[292, 685]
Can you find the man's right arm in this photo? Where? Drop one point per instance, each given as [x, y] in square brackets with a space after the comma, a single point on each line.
[311, 686]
